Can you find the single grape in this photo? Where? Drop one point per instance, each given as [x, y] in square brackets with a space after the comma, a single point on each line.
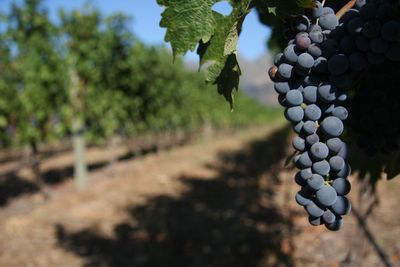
[285, 71]
[319, 151]
[294, 114]
[316, 36]
[340, 113]
[328, 217]
[341, 205]
[321, 167]
[305, 61]
[313, 210]
[336, 163]
[291, 53]
[328, 21]
[306, 173]
[309, 127]
[312, 112]
[335, 145]
[282, 87]
[304, 161]
[342, 186]
[294, 97]
[317, 10]
[332, 126]
[299, 143]
[327, 196]
[310, 94]
[316, 182]
[302, 41]
[314, 50]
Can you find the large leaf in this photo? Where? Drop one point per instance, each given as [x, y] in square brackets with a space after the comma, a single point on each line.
[220, 51]
[187, 23]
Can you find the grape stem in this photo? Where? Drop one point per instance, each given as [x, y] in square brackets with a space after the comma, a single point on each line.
[345, 8]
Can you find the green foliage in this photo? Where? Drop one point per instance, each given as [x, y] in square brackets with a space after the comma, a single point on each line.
[37, 68]
[192, 23]
[91, 75]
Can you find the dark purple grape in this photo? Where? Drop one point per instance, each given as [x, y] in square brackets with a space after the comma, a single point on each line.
[313, 210]
[316, 182]
[342, 186]
[302, 41]
[341, 206]
[327, 196]
[329, 217]
[319, 151]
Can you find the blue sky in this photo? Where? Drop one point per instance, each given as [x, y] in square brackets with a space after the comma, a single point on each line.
[146, 17]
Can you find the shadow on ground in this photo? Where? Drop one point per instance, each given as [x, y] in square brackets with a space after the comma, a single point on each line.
[231, 220]
[13, 186]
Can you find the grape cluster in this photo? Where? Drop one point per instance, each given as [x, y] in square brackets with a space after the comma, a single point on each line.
[326, 57]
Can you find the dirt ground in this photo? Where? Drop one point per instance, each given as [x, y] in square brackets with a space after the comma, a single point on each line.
[223, 201]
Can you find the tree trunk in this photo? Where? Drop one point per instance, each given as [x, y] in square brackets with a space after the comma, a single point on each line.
[80, 166]
[112, 153]
[78, 135]
[35, 166]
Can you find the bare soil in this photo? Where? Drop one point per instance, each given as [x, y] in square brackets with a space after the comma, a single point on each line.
[222, 201]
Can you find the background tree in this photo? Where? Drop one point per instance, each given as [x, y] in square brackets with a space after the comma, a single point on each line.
[39, 90]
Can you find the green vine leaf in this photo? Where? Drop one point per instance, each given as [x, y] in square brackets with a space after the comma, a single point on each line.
[220, 51]
[192, 22]
[187, 22]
